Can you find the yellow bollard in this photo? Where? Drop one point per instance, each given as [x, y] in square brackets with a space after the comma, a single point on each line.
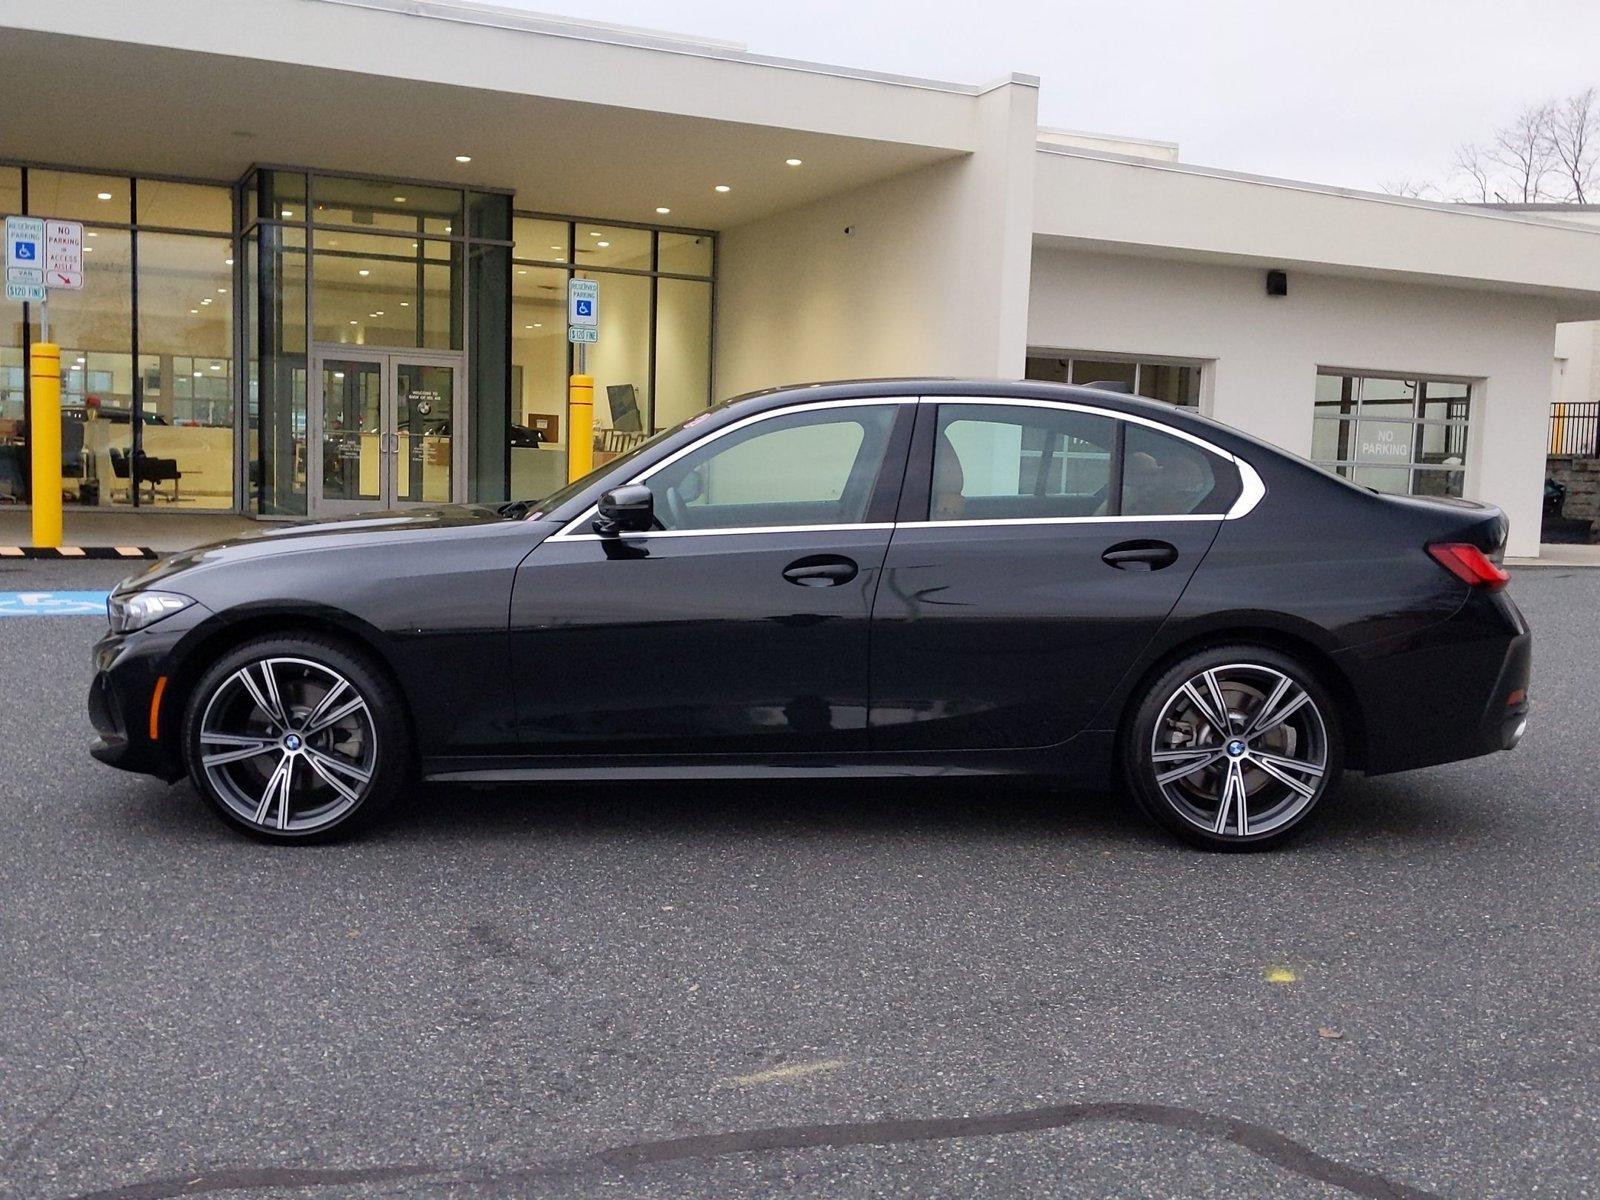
[44, 436]
[580, 426]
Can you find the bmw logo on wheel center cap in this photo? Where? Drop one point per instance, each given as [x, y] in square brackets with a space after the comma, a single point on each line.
[1236, 748]
[292, 742]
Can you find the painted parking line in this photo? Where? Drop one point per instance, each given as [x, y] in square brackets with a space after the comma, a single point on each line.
[52, 604]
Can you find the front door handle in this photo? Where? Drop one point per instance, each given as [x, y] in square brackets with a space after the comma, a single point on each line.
[821, 570]
[1140, 555]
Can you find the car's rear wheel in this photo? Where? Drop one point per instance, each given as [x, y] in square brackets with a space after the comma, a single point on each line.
[296, 738]
[1233, 747]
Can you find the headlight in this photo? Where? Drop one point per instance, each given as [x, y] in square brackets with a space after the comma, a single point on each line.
[135, 610]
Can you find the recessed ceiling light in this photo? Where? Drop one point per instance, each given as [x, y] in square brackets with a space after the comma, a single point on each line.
[103, 196]
[222, 291]
[793, 162]
[399, 199]
[197, 374]
[663, 211]
[206, 301]
[193, 310]
[379, 313]
[722, 187]
[447, 229]
[405, 304]
[227, 262]
[522, 270]
[538, 324]
[216, 366]
[338, 374]
[527, 326]
[594, 233]
[602, 245]
[92, 233]
[557, 247]
[287, 213]
[88, 249]
[353, 322]
[372, 314]
[81, 360]
[363, 271]
[463, 158]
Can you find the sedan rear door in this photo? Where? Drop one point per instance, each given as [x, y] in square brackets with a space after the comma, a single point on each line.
[1039, 548]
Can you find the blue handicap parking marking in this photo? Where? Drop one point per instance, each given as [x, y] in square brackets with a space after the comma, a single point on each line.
[52, 604]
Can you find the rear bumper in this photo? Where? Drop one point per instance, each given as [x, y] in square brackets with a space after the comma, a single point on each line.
[1458, 689]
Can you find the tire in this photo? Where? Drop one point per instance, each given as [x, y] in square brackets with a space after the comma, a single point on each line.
[1284, 747]
[330, 757]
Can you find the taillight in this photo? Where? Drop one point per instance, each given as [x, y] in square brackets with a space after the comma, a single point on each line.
[1469, 564]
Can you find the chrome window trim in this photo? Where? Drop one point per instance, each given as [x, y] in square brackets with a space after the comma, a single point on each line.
[1251, 487]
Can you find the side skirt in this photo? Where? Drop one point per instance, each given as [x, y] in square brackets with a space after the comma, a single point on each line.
[1085, 761]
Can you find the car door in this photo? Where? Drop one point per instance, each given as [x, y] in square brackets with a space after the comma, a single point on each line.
[740, 624]
[1040, 547]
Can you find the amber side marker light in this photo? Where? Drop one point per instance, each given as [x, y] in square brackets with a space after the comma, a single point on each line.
[1469, 564]
[155, 708]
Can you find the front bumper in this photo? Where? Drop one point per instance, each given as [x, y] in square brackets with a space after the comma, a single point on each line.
[136, 724]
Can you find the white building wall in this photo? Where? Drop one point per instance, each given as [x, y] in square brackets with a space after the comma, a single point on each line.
[922, 274]
[1578, 362]
[1262, 353]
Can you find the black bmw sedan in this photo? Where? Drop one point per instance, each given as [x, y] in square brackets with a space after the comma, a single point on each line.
[860, 580]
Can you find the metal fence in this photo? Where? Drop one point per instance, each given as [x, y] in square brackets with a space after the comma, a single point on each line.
[1575, 429]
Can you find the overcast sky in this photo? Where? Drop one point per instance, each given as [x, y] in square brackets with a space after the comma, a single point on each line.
[1351, 92]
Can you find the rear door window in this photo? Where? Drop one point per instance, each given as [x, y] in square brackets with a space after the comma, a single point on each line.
[997, 462]
[1166, 476]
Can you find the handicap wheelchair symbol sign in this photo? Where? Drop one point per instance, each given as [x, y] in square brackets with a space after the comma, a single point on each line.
[25, 251]
[52, 604]
[583, 308]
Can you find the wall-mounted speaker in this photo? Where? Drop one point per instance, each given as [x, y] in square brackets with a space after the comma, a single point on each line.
[1277, 283]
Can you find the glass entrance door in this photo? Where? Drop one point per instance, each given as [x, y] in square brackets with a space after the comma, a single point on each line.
[387, 423]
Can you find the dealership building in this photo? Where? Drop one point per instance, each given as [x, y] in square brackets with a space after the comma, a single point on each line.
[328, 245]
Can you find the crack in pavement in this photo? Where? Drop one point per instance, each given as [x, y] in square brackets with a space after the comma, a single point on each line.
[1265, 1143]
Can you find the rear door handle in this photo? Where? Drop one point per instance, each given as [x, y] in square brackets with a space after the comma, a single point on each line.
[1141, 555]
[821, 570]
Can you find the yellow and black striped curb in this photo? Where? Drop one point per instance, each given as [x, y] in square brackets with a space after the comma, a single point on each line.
[76, 552]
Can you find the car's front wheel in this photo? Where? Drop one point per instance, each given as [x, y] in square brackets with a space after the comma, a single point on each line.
[1233, 747]
[294, 738]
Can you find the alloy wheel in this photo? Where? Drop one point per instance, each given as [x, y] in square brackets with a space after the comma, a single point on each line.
[1240, 750]
[288, 744]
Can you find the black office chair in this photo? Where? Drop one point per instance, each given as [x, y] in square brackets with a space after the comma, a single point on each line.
[147, 471]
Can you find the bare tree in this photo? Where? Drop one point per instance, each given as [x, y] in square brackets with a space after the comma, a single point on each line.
[1522, 151]
[1475, 174]
[1416, 189]
[1572, 131]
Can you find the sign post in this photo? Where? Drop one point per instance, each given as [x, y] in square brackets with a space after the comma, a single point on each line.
[583, 331]
[41, 255]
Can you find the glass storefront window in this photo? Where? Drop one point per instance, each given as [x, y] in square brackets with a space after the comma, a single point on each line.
[1171, 382]
[620, 364]
[281, 195]
[538, 381]
[75, 196]
[683, 350]
[377, 205]
[186, 364]
[185, 206]
[683, 253]
[1391, 434]
[373, 290]
[13, 405]
[10, 191]
[612, 246]
[279, 345]
[540, 239]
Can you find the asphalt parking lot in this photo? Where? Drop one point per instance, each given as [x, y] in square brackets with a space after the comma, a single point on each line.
[798, 991]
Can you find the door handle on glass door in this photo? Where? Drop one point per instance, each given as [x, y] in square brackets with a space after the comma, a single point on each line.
[821, 570]
[1140, 555]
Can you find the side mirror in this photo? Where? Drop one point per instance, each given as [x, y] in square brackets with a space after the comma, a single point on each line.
[630, 509]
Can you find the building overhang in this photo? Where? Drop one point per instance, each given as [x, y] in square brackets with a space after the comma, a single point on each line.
[574, 118]
[1119, 204]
